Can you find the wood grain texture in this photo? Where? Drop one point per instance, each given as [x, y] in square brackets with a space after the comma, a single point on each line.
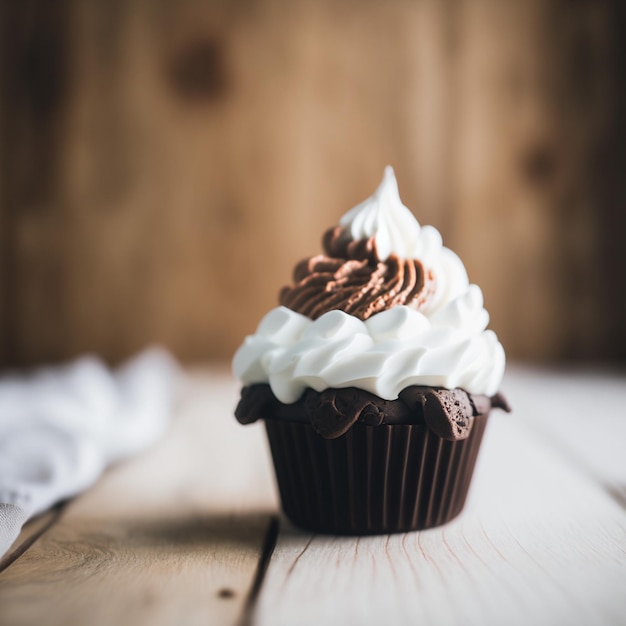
[532, 103]
[29, 533]
[541, 541]
[580, 411]
[175, 536]
[34, 93]
[183, 213]
[171, 537]
[167, 164]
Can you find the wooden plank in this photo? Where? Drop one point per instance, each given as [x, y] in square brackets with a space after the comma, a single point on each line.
[34, 91]
[171, 537]
[535, 102]
[581, 412]
[540, 541]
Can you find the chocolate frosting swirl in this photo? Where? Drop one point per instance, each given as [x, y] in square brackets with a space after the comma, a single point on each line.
[352, 278]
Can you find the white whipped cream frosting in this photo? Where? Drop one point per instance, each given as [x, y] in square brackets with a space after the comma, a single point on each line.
[385, 217]
[444, 345]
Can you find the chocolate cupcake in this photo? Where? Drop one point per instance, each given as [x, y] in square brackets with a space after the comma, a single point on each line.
[375, 377]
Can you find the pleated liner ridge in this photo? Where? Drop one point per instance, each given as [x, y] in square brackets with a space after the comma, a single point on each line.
[373, 479]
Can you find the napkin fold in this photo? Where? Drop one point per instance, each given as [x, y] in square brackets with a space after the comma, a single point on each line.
[60, 427]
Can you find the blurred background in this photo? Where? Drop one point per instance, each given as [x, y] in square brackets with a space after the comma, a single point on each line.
[163, 165]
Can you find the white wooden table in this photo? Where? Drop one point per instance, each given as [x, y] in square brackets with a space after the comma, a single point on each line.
[189, 533]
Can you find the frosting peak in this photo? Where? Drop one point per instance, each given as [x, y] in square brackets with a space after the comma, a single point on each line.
[384, 217]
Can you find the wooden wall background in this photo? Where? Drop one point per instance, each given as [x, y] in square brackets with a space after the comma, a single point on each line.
[164, 164]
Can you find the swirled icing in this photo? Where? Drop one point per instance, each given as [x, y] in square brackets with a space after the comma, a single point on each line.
[352, 279]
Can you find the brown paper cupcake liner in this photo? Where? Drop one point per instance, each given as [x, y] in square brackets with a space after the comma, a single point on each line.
[374, 479]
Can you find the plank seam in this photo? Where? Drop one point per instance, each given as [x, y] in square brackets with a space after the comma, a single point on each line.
[269, 543]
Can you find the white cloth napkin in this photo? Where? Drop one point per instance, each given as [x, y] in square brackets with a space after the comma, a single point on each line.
[61, 426]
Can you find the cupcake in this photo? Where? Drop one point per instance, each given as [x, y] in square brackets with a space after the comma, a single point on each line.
[374, 377]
